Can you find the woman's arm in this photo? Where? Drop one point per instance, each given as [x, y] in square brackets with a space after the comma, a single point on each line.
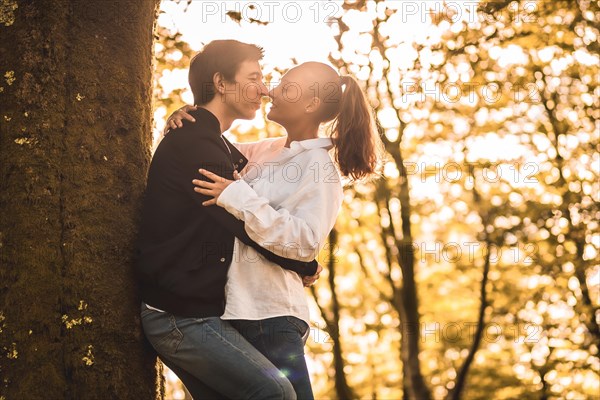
[302, 230]
[184, 169]
[252, 149]
[248, 149]
[176, 119]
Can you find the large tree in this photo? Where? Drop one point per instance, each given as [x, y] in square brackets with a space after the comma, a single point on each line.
[75, 136]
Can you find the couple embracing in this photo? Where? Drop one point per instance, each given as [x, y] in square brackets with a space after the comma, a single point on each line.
[228, 236]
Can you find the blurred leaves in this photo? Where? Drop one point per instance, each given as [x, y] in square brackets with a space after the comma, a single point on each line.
[507, 96]
[495, 115]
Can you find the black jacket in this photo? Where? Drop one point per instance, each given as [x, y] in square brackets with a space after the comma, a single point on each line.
[184, 248]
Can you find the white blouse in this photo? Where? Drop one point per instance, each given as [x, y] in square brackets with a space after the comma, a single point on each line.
[289, 199]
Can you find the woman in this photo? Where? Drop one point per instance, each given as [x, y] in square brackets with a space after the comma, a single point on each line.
[289, 197]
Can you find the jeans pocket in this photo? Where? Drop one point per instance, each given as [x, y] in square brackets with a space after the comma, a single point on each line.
[169, 344]
[298, 324]
[147, 311]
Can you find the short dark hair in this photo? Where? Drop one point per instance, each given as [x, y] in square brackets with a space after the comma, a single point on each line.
[224, 56]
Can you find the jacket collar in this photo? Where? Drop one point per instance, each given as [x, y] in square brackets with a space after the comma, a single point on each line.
[203, 116]
[238, 160]
[212, 124]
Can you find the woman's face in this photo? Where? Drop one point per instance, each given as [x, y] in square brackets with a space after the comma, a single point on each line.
[291, 97]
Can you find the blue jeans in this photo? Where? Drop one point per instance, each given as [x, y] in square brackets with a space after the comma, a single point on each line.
[212, 359]
[281, 340]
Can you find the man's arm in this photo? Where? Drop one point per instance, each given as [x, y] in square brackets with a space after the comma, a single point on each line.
[236, 227]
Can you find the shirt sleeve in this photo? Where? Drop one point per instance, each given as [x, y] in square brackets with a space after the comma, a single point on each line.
[210, 160]
[300, 231]
[250, 149]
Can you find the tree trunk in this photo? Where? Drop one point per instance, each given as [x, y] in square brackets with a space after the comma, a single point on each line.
[343, 390]
[75, 136]
[461, 380]
[406, 297]
[587, 309]
[332, 321]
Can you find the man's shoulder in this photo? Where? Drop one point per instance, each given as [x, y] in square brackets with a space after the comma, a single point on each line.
[186, 137]
[198, 130]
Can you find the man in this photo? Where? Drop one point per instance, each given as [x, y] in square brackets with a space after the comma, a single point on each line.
[185, 249]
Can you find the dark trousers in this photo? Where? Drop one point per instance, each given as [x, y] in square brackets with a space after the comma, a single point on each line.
[212, 359]
[281, 340]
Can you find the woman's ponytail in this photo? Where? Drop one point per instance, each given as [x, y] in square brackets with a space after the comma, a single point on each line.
[355, 137]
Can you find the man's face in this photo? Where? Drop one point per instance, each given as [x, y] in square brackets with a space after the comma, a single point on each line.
[245, 93]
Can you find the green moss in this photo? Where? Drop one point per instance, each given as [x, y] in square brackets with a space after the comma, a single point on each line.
[88, 359]
[7, 12]
[12, 352]
[10, 77]
[71, 310]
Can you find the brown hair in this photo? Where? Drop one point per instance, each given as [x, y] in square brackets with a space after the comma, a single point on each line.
[354, 134]
[224, 56]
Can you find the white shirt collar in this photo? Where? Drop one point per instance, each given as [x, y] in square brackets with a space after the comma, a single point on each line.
[325, 143]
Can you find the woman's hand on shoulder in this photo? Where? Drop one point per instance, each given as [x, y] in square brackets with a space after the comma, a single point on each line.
[176, 119]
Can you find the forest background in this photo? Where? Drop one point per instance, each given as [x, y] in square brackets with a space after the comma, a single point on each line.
[468, 270]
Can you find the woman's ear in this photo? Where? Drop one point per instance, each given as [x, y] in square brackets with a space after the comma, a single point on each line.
[219, 82]
[313, 105]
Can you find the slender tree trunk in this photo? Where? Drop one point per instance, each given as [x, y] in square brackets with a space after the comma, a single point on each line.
[74, 147]
[406, 297]
[342, 388]
[587, 309]
[332, 320]
[461, 379]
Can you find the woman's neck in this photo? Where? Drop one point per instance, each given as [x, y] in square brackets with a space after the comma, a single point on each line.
[301, 132]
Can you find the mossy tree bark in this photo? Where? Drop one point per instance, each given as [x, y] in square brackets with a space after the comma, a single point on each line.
[75, 135]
